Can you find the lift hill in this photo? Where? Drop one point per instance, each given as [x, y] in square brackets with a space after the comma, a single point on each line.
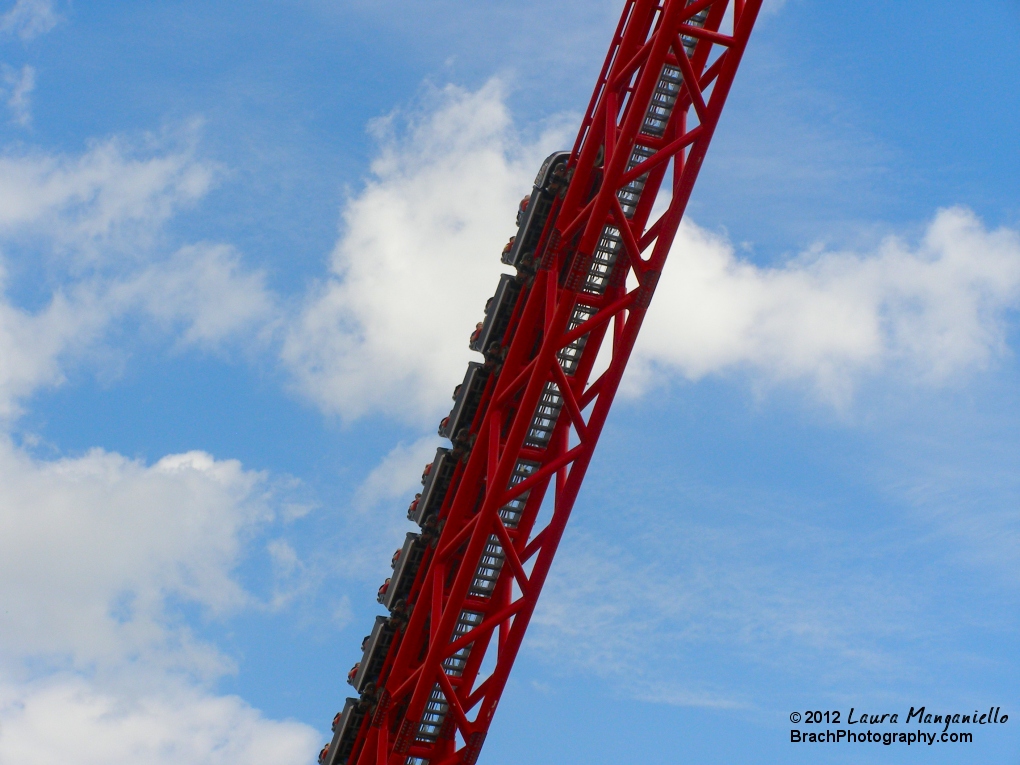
[553, 345]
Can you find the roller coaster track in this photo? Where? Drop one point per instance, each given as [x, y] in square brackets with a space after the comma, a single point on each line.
[556, 338]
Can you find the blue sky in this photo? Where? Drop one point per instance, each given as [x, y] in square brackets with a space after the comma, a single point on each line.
[241, 248]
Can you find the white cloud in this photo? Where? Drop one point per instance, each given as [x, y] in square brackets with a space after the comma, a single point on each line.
[93, 552]
[417, 260]
[99, 550]
[96, 546]
[103, 204]
[21, 84]
[29, 18]
[419, 255]
[933, 310]
[92, 547]
[44, 721]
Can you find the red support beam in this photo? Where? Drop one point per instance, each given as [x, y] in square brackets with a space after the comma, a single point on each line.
[531, 427]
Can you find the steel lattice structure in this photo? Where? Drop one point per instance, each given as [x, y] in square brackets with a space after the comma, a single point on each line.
[556, 339]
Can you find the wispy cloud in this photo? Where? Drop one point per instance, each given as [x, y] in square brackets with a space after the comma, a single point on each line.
[104, 203]
[93, 225]
[397, 474]
[962, 481]
[201, 295]
[30, 18]
[681, 614]
[772, 6]
[20, 84]
[375, 522]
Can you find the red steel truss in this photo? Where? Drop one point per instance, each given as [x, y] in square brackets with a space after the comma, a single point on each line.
[583, 294]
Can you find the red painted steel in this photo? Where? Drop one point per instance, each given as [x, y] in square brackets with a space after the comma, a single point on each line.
[654, 110]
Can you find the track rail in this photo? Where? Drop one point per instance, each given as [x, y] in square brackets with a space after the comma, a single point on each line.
[499, 500]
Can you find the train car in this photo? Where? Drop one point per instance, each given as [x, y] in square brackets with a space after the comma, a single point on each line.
[498, 313]
[372, 660]
[405, 568]
[435, 483]
[550, 180]
[345, 732]
[465, 403]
